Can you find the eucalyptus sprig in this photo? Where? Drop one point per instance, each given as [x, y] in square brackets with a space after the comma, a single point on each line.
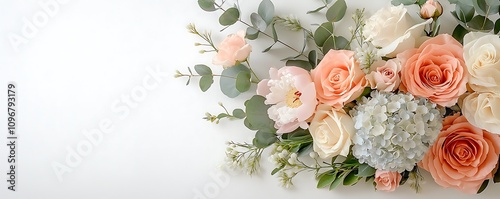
[207, 36]
[236, 114]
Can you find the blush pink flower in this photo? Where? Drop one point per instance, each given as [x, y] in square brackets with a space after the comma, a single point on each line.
[387, 181]
[431, 9]
[338, 78]
[291, 92]
[233, 49]
[386, 77]
[463, 155]
[436, 70]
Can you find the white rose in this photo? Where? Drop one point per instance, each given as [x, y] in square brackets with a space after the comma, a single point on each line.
[393, 30]
[482, 57]
[483, 111]
[331, 131]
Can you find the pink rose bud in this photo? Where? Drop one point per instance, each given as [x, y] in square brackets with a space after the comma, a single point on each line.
[431, 9]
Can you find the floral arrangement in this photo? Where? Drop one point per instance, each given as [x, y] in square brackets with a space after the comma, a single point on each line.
[392, 100]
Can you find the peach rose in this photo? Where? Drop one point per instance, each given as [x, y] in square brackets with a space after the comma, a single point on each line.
[436, 70]
[338, 78]
[386, 77]
[463, 155]
[386, 180]
[233, 49]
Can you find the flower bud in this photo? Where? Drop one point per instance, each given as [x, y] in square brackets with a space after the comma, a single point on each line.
[431, 9]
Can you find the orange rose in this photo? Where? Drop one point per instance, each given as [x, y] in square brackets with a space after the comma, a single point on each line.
[436, 70]
[463, 155]
[338, 78]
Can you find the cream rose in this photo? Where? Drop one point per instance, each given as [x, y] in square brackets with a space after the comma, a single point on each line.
[331, 131]
[393, 30]
[386, 77]
[483, 110]
[233, 49]
[482, 57]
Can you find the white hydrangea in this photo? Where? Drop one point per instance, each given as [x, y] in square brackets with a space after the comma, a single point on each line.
[394, 131]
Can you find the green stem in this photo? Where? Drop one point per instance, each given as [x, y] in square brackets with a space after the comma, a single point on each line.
[253, 72]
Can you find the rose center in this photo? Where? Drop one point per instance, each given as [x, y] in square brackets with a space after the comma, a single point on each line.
[336, 77]
[293, 98]
[388, 73]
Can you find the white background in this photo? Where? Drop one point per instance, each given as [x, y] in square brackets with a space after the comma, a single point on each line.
[88, 55]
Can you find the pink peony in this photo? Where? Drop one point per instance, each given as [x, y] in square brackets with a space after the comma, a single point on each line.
[463, 155]
[338, 78]
[291, 92]
[436, 70]
[233, 49]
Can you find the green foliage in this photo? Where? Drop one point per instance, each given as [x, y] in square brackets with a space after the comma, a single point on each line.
[252, 33]
[317, 9]
[486, 7]
[497, 26]
[207, 5]
[206, 82]
[228, 80]
[229, 17]
[202, 70]
[299, 63]
[348, 173]
[464, 12]
[365, 170]
[239, 113]
[483, 186]
[337, 11]
[264, 139]
[313, 58]
[266, 11]
[243, 82]
[257, 116]
[258, 22]
[404, 2]
[326, 179]
[481, 23]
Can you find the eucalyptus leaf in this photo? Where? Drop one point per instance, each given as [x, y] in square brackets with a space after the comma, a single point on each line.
[252, 33]
[266, 11]
[326, 180]
[239, 113]
[243, 81]
[257, 117]
[337, 11]
[229, 17]
[323, 33]
[202, 69]
[228, 80]
[464, 12]
[207, 5]
[258, 22]
[486, 7]
[269, 48]
[205, 82]
[313, 58]
[275, 34]
[481, 23]
[264, 139]
[341, 43]
[316, 10]
[299, 63]
[460, 22]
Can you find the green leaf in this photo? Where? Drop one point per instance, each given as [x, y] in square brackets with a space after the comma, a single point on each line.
[365, 170]
[222, 115]
[305, 148]
[228, 80]
[460, 22]
[266, 11]
[243, 81]
[486, 7]
[299, 63]
[481, 23]
[258, 22]
[313, 58]
[316, 10]
[483, 186]
[497, 26]
[238, 113]
[464, 12]
[202, 69]
[248, 125]
[351, 178]
[207, 5]
[264, 139]
[275, 34]
[268, 48]
[323, 33]
[404, 2]
[275, 170]
[496, 176]
[337, 11]
[337, 181]
[326, 180]
[252, 33]
[459, 32]
[257, 117]
[205, 82]
[229, 17]
[341, 43]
